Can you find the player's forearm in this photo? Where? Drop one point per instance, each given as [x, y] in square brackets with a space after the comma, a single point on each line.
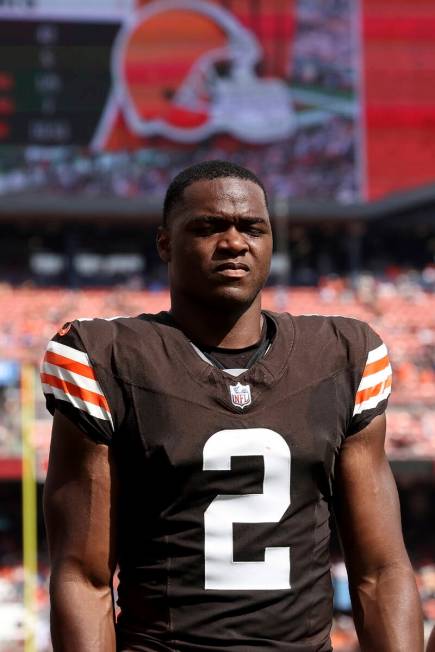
[82, 618]
[387, 611]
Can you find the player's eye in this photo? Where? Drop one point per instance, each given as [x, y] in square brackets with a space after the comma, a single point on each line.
[205, 229]
[254, 230]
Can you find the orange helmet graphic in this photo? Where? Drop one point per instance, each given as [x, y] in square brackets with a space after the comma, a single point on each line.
[185, 69]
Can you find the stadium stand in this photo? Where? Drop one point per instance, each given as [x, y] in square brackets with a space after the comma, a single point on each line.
[402, 313]
[64, 204]
[400, 307]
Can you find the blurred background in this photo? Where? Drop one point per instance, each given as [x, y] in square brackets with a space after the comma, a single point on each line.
[102, 102]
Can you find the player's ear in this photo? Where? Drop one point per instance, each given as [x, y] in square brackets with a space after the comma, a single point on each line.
[163, 242]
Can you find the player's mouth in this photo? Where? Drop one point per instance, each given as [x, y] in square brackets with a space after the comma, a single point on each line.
[232, 270]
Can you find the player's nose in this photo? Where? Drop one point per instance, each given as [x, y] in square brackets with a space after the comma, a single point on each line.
[232, 240]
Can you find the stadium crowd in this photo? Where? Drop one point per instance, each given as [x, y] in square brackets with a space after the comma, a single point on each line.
[324, 48]
[317, 162]
[400, 308]
[13, 623]
[402, 312]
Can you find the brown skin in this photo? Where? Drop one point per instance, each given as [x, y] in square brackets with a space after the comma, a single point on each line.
[218, 246]
[385, 599]
[80, 497]
[221, 225]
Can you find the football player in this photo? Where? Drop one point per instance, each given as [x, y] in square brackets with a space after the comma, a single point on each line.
[204, 449]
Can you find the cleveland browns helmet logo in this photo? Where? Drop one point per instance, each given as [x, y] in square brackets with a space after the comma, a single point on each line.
[186, 69]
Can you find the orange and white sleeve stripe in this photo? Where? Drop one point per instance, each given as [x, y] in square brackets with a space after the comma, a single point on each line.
[375, 385]
[67, 374]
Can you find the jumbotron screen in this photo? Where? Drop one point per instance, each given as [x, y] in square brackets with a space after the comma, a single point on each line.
[326, 101]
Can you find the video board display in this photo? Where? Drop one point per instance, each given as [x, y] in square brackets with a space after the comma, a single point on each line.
[54, 80]
[180, 69]
[399, 94]
[113, 98]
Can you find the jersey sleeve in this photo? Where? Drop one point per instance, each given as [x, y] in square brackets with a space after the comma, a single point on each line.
[372, 379]
[78, 383]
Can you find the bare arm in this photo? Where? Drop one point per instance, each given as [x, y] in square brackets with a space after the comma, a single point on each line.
[80, 512]
[384, 595]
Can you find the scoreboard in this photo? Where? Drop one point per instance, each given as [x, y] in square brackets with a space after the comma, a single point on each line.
[54, 79]
[182, 69]
[325, 100]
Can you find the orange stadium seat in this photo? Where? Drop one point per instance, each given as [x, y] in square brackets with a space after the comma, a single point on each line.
[407, 324]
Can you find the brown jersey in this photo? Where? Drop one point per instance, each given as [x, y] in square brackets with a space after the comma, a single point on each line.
[225, 482]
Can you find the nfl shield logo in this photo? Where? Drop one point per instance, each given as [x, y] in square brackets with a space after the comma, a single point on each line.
[240, 395]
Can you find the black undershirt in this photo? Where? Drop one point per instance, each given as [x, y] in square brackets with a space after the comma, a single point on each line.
[241, 358]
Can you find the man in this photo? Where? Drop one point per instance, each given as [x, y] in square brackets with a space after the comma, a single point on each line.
[202, 448]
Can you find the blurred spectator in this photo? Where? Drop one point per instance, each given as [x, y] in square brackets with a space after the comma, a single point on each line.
[401, 310]
[316, 162]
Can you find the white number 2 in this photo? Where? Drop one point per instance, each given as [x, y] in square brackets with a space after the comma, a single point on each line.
[221, 571]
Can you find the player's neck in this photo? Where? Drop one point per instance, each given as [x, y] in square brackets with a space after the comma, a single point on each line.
[222, 328]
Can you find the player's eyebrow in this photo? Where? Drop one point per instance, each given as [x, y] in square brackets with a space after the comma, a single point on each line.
[213, 219]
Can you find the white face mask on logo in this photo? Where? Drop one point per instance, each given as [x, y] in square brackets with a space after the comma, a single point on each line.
[202, 101]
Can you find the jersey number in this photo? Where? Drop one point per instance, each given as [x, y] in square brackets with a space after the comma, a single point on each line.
[221, 571]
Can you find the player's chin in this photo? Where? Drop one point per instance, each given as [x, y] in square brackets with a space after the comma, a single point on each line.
[236, 295]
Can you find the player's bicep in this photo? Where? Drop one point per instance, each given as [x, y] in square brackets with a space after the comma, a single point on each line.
[80, 503]
[366, 503]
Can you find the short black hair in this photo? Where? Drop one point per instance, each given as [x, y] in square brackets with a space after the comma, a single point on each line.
[215, 169]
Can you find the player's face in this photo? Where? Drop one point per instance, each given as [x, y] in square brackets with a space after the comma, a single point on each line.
[219, 242]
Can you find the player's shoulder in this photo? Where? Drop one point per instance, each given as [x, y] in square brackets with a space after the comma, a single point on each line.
[348, 330]
[343, 340]
[327, 326]
[106, 340]
[116, 328]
